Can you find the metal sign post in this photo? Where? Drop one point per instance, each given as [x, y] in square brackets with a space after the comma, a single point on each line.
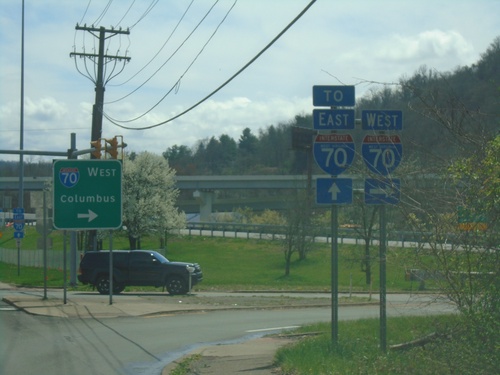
[335, 273]
[383, 283]
[334, 153]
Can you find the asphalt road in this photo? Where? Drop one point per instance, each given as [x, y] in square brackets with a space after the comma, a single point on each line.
[145, 345]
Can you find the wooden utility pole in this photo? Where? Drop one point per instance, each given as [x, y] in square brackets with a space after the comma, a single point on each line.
[99, 80]
[97, 111]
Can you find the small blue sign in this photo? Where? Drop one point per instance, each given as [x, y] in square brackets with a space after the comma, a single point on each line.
[382, 191]
[18, 234]
[334, 153]
[18, 217]
[381, 120]
[382, 153]
[18, 210]
[333, 119]
[334, 191]
[333, 96]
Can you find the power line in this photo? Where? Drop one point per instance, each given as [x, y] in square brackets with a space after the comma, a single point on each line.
[123, 17]
[164, 63]
[146, 12]
[103, 13]
[225, 83]
[156, 55]
[177, 84]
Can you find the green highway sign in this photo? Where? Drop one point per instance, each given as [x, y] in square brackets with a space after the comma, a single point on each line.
[87, 194]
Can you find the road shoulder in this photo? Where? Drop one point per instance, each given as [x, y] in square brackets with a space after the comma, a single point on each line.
[252, 357]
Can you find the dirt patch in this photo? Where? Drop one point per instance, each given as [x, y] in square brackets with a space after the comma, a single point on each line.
[250, 300]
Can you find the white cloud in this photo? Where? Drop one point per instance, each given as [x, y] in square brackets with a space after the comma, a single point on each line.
[44, 109]
[432, 44]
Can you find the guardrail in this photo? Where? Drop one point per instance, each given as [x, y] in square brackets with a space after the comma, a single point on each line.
[318, 234]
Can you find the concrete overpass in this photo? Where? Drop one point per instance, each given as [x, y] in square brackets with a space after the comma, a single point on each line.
[197, 182]
[202, 190]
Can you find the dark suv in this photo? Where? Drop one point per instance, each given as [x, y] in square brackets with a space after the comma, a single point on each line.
[137, 268]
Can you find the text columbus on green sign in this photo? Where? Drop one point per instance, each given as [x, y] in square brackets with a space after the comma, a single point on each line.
[87, 194]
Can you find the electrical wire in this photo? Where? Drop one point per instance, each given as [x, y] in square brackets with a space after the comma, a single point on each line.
[177, 84]
[223, 84]
[157, 53]
[103, 13]
[146, 12]
[86, 10]
[81, 21]
[166, 61]
[128, 10]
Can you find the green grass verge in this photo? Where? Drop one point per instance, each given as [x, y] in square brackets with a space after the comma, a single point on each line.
[358, 349]
[30, 276]
[240, 264]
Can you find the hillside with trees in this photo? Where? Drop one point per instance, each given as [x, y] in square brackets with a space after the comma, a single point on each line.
[446, 114]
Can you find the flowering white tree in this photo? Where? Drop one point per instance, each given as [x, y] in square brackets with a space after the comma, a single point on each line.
[149, 197]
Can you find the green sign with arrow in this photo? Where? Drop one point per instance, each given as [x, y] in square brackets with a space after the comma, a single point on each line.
[87, 194]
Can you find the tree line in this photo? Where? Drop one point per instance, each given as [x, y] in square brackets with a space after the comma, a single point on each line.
[467, 98]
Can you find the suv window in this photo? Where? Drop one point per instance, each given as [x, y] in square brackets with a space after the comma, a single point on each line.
[142, 259]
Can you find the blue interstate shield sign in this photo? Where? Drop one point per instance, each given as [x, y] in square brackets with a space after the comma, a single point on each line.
[382, 153]
[69, 176]
[334, 153]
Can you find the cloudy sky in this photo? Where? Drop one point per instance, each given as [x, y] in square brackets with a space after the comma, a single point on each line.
[182, 50]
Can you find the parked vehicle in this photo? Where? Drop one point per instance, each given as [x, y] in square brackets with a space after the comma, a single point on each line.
[137, 268]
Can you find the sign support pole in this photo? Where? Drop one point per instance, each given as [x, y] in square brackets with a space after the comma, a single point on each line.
[72, 235]
[18, 242]
[335, 275]
[110, 267]
[65, 281]
[110, 276]
[383, 302]
[44, 244]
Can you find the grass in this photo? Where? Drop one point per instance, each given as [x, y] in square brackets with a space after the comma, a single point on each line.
[358, 348]
[184, 366]
[240, 264]
[30, 276]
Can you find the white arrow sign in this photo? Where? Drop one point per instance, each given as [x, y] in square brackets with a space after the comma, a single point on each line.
[382, 191]
[91, 215]
[379, 191]
[334, 190]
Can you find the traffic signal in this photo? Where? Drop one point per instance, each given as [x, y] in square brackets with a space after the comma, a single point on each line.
[112, 147]
[97, 148]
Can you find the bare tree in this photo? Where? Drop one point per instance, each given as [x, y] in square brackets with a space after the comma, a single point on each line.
[298, 236]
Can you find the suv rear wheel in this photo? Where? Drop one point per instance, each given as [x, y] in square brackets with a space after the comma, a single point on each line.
[176, 285]
[102, 285]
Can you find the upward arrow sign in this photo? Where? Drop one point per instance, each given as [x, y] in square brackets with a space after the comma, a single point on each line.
[334, 191]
